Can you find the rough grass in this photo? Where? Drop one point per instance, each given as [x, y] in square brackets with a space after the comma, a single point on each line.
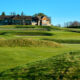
[47, 28]
[27, 43]
[27, 33]
[34, 33]
[61, 35]
[69, 41]
[61, 67]
[44, 28]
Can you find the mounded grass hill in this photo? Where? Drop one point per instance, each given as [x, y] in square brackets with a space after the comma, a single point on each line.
[61, 67]
[27, 43]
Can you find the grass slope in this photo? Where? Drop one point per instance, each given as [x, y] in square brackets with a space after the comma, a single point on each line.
[27, 43]
[11, 57]
[61, 67]
[21, 45]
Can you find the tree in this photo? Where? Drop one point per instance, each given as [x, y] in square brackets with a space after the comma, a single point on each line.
[13, 13]
[22, 13]
[59, 25]
[40, 14]
[67, 24]
[74, 24]
[3, 14]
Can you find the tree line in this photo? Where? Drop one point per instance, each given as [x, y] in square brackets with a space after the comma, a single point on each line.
[22, 14]
[74, 24]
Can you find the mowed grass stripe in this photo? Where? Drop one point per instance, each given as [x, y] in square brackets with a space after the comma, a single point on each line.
[12, 57]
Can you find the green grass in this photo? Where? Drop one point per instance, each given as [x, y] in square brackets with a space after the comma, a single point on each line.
[18, 45]
[62, 67]
[27, 43]
[29, 27]
[71, 41]
[12, 57]
[26, 33]
[49, 34]
[55, 33]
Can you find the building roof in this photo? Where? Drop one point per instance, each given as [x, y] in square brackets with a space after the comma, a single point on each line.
[22, 17]
[5, 17]
[16, 17]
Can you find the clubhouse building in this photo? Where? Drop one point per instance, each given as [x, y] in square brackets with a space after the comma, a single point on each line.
[25, 20]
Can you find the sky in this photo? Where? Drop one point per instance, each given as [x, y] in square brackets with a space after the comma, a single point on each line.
[60, 11]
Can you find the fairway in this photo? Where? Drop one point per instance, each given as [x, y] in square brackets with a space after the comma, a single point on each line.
[55, 34]
[12, 57]
[19, 46]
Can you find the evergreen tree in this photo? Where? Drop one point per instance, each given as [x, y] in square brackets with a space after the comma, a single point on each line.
[3, 14]
[22, 14]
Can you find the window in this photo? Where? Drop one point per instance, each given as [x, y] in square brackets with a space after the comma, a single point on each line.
[44, 21]
[6, 21]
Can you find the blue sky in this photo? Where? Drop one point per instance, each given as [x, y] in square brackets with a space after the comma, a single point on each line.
[60, 11]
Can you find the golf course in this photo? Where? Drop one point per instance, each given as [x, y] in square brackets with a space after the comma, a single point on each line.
[39, 53]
